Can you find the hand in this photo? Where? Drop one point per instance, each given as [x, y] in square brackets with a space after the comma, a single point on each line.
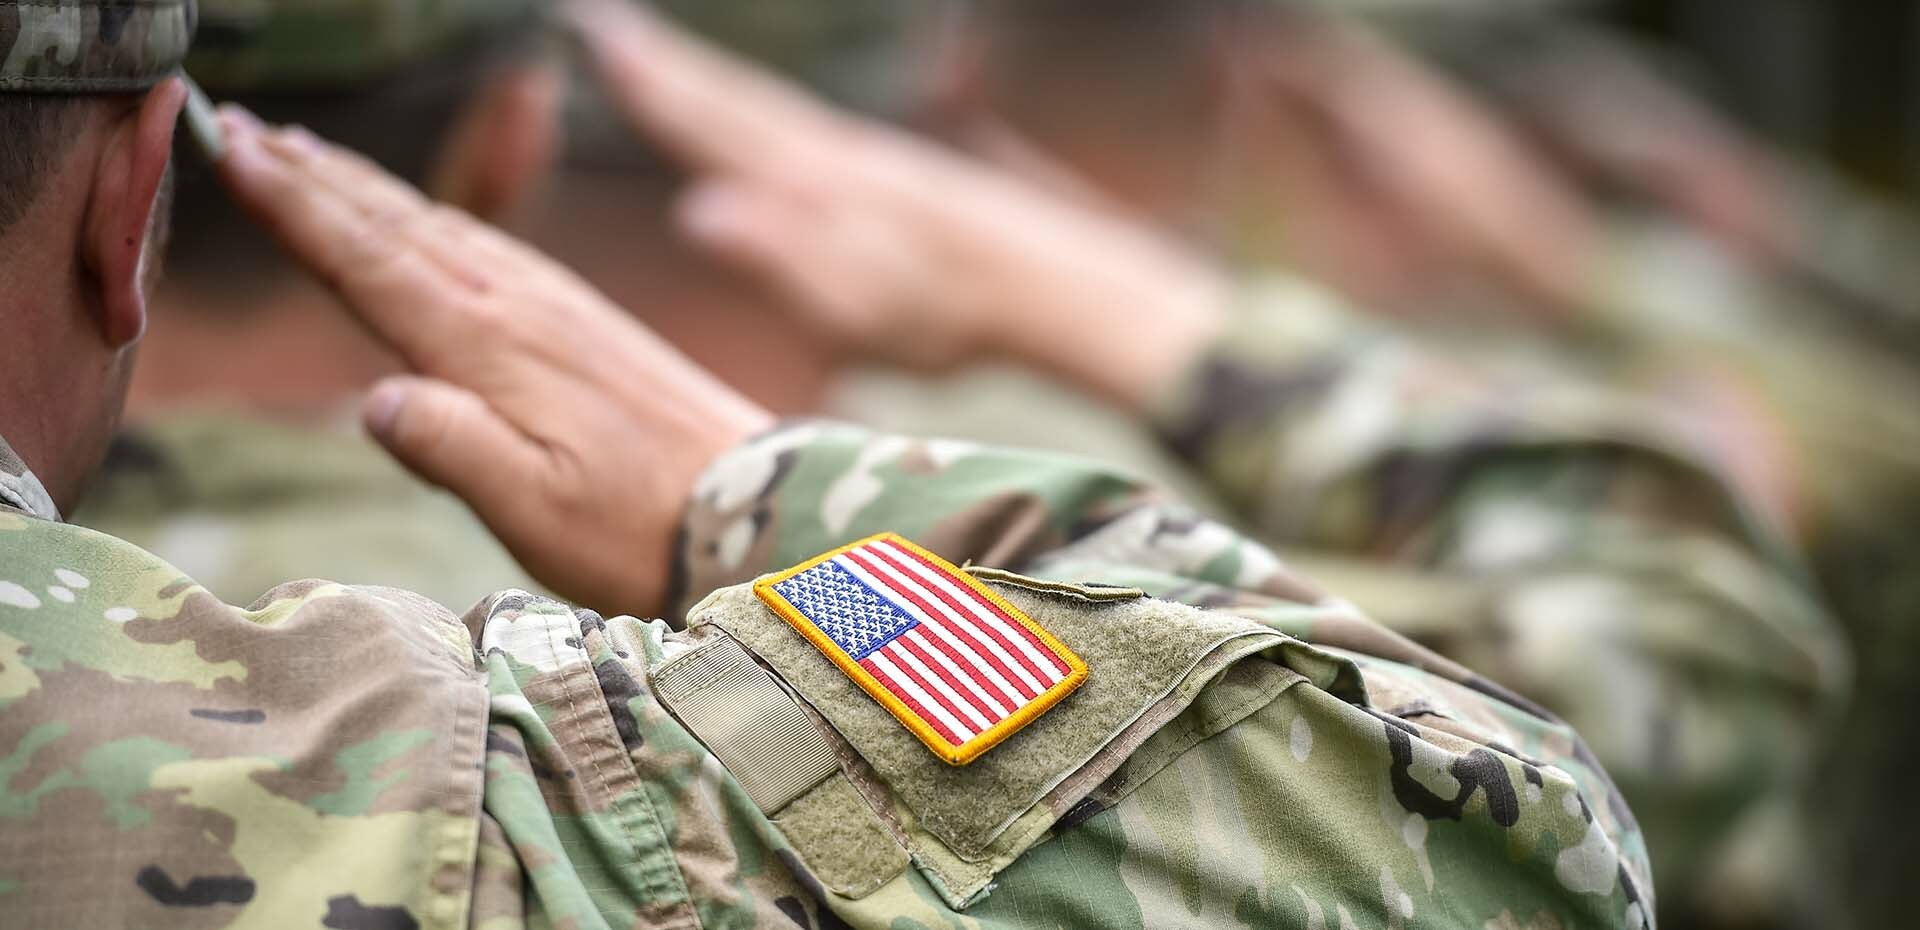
[1399, 180]
[892, 246]
[575, 433]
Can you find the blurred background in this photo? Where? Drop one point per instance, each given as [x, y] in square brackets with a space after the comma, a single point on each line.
[1833, 79]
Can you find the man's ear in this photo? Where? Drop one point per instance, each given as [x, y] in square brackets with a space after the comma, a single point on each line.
[126, 186]
[503, 144]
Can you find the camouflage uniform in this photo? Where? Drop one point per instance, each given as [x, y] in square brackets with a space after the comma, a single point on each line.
[1583, 547]
[1840, 385]
[518, 764]
[1504, 529]
[361, 757]
[91, 48]
[1821, 334]
[1569, 540]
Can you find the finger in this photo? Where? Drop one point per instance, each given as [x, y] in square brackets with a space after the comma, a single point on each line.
[705, 106]
[397, 217]
[392, 212]
[450, 437]
[395, 259]
[504, 144]
[770, 241]
[1006, 147]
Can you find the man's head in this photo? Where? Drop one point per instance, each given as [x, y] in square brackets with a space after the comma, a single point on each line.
[86, 130]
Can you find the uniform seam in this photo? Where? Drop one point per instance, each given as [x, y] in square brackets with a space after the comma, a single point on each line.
[466, 805]
[593, 759]
[657, 881]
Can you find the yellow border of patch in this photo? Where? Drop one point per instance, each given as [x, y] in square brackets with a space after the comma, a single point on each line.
[953, 755]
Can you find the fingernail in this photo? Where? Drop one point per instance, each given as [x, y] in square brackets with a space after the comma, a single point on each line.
[382, 409]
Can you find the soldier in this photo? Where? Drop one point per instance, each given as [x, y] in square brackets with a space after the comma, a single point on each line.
[1496, 505]
[360, 757]
[1770, 268]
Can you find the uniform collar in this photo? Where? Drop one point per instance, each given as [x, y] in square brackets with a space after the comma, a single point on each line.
[19, 488]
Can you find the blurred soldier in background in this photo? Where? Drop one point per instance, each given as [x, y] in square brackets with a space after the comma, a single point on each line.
[1709, 255]
[355, 756]
[1773, 269]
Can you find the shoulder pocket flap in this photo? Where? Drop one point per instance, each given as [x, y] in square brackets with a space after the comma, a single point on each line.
[1140, 652]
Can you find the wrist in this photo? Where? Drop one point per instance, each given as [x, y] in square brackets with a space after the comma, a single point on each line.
[1133, 338]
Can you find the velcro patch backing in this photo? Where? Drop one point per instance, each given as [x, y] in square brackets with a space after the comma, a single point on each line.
[952, 660]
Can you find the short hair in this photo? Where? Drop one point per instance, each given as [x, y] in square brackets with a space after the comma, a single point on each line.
[400, 121]
[35, 132]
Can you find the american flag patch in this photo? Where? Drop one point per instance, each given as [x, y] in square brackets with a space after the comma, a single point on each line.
[953, 661]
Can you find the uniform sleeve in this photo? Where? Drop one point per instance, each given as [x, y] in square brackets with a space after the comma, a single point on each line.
[1564, 539]
[809, 487]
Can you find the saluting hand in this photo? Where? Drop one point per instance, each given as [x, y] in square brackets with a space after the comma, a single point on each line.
[894, 246]
[574, 432]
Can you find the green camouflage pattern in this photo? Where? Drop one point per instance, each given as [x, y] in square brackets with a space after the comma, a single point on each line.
[91, 46]
[1631, 599]
[295, 45]
[1566, 538]
[1569, 539]
[360, 757]
[1840, 383]
[242, 502]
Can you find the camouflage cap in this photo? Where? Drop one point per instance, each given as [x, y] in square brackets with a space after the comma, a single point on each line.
[91, 46]
[302, 45]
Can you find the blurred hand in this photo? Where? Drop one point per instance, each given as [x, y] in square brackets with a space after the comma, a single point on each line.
[894, 247]
[1410, 178]
[576, 434]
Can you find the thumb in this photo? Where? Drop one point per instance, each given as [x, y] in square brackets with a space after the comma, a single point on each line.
[449, 436]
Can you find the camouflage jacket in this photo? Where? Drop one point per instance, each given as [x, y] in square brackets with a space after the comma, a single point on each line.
[1838, 373]
[361, 757]
[1560, 530]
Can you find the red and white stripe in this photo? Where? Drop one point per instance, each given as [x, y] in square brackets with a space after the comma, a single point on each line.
[967, 665]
